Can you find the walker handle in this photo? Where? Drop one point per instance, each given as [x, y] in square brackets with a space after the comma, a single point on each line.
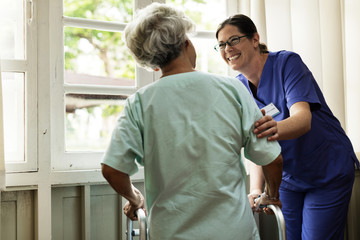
[280, 220]
[142, 231]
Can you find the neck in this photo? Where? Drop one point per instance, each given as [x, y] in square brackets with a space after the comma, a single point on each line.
[176, 66]
[255, 69]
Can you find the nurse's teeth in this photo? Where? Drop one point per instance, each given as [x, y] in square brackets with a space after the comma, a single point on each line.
[234, 57]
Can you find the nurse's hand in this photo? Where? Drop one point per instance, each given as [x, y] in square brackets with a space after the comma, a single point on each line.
[266, 127]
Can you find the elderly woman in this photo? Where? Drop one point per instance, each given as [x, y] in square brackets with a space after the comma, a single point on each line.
[187, 130]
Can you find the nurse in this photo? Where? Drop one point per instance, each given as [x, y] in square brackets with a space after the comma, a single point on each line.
[319, 159]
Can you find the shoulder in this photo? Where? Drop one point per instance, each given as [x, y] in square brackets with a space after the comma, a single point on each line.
[218, 79]
[287, 61]
[284, 56]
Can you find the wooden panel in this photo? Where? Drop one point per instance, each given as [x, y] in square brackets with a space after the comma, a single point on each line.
[71, 217]
[104, 213]
[8, 220]
[82, 214]
[66, 213]
[17, 215]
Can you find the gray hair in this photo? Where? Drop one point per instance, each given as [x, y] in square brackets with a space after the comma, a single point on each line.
[157, 35]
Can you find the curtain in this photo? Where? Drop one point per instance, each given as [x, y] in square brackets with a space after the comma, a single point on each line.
[2, 153]
[326, 34]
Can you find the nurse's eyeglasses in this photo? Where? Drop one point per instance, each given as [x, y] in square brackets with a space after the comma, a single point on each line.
[231, 42]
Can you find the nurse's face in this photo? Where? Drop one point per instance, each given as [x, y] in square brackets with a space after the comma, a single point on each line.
[239, 55]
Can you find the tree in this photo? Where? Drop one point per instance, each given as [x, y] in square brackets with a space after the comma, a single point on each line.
[109, 47]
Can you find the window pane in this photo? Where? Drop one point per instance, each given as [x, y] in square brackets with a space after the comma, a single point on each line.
[105, 10]
[14, 116]
[206, 14]
[208, 60]
[12, 43]
[90, 120]
[102, 54]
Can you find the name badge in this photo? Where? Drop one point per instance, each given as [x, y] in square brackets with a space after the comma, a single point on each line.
[271, 110]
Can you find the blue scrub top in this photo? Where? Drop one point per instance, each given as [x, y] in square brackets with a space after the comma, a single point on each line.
[325, 152]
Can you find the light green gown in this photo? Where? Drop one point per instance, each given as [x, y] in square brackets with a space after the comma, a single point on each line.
[187, 130]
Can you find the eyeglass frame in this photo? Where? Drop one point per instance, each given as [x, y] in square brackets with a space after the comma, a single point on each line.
[218, 48]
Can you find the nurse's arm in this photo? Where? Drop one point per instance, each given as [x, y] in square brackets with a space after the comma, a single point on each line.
[297, 124]
[266, 127]
[292, 127]
[256, 182]
[121, 183]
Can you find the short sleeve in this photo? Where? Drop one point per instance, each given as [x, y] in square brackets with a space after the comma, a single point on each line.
[258, 150]
[126, 142]
[299, 83]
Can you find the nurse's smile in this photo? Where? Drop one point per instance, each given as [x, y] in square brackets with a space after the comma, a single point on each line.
[234, 57]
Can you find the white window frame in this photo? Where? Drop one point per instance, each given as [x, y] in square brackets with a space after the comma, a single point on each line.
[28, 66]
[67, 161]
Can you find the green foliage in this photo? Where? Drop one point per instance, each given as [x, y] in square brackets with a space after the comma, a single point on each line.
[108, 47]
[110, 110]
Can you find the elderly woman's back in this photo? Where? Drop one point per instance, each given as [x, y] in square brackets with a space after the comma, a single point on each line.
[187, 130]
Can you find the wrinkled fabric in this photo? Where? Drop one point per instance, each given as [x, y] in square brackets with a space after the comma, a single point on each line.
[187, 130]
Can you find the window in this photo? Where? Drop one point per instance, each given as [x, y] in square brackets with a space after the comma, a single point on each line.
[18, 64]
[97, 73]
[206, 15]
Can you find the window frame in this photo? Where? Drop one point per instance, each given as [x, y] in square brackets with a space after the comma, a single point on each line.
[68, 161]
[27, 66]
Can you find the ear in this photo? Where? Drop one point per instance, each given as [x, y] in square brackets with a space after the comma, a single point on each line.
[256, 40]
[187, 42]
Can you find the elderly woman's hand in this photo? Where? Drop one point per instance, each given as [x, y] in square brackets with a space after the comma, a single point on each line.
[266, 127]
[131, 207]
[261, 202]
[265, 201]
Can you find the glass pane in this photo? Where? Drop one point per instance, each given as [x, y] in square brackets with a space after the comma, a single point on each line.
[12, 34]
[14, 116]
[90, 120]
[90, 53]
[105, 10]
[206, 14]
[208, 60]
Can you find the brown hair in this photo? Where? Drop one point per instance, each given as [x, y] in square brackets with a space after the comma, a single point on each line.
[245, 25]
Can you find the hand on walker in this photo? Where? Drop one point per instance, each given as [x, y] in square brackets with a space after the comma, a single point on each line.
[260, 203]
[131, 207]
[252, 197]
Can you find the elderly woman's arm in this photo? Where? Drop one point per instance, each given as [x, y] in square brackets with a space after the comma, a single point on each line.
[271, 175]
[121, 183]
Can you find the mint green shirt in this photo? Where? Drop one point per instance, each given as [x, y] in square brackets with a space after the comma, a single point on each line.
[187, 130]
